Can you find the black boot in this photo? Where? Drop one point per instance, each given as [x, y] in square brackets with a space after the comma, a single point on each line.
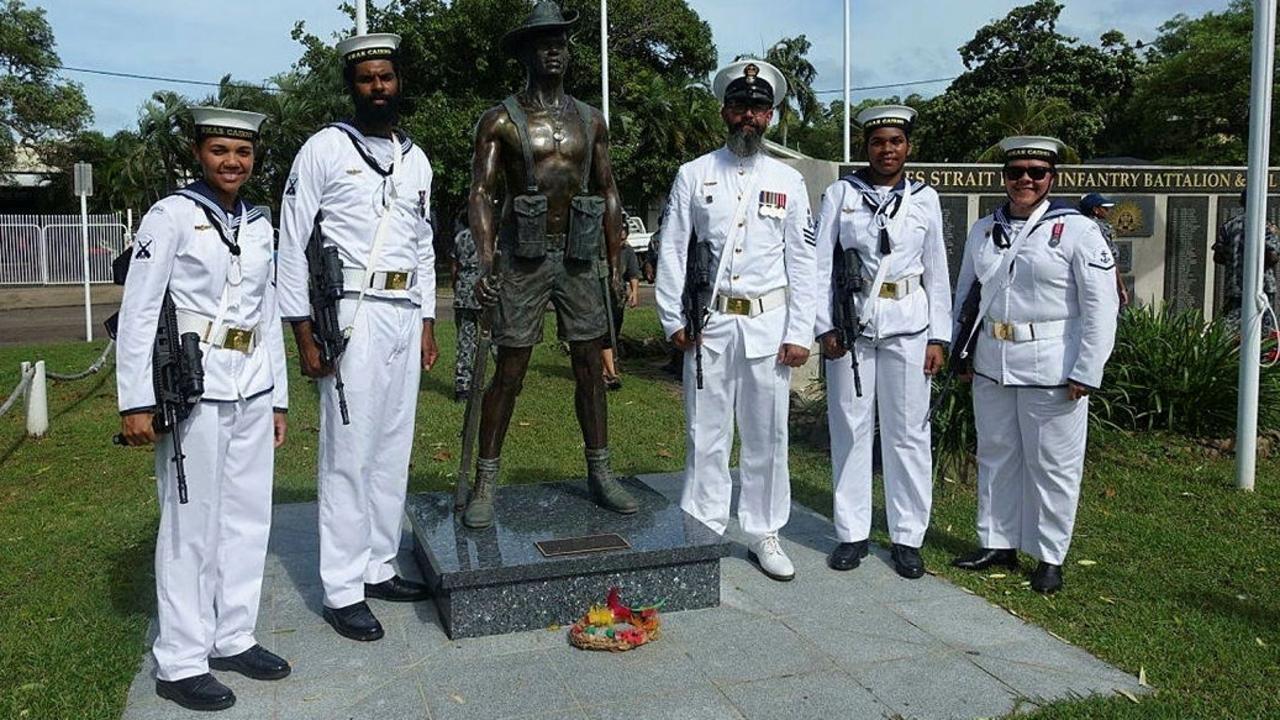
[202, 692]
[605, 489]
[1047, 578]
[986, 557]
[354, 621]
[907, 561]
[257, 662]
[847, 555]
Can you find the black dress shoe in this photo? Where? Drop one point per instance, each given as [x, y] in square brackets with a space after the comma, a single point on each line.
[257, 662]
[201, 692]
[986, 557]
[847, 556]
[907, 561]
[397, 589]
[1047, 578]
[354, 621]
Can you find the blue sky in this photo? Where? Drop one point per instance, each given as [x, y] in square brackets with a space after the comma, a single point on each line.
[895, 41]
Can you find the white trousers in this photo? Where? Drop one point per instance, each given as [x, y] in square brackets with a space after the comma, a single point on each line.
[364, 466]
[1031, 444]
[755, 392]
[895, 387]
[210, 552]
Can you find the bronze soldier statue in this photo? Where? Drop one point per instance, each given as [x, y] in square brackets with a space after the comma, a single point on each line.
[559, 234]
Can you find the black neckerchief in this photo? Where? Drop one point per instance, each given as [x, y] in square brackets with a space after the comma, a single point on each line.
[225, 223]
[360, 143]
[880, 208]
[1002, 232]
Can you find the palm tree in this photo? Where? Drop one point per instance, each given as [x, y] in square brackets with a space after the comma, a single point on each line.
[1025, 112]
[788, 55]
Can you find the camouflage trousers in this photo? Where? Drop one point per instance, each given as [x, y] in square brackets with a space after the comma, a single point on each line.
[467, 322]
[1232, 313]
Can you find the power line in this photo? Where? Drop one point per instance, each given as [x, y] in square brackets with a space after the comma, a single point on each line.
[160, 78]
[889, 85]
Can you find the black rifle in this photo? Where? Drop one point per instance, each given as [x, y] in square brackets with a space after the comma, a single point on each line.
[177, 372]
[849, 285]
[324, 283]
[475, 400]
[962, 345]
[696, 297]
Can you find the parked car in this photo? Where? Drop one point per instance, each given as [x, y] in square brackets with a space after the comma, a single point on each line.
[638, 238]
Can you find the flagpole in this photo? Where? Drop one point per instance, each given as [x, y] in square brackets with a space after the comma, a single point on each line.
[847, 156]
[604, 59]
[1264, 52]
[362, 17]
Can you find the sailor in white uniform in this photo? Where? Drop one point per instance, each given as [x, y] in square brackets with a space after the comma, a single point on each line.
[754, 213]
[1046, 325]
[367, 185]
[211, 254]
[883, 230]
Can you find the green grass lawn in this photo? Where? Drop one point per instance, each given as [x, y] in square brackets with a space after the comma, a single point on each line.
[1183, 580]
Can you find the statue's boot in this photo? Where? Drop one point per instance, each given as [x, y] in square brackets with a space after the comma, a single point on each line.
[479, 512]
[606, 491]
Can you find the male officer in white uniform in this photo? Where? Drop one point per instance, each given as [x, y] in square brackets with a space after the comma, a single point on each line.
[1047, 323]
[367, 185]
[754, 212]
[210, 254]
[886, 229]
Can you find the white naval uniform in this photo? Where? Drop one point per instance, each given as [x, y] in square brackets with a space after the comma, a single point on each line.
[210, 552]
[891, 352]
[770, 256]
[1060, 300]
[364, 466]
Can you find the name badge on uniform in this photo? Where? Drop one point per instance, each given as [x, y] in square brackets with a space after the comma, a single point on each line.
[773, 204]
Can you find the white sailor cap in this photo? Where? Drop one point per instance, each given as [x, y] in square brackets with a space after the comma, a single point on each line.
[1035, 147]
[224, 122]
[374, 46]
[899, 116]
[750, 81]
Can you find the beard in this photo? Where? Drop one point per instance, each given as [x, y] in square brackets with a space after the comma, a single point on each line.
[370, 114]
[745, 140]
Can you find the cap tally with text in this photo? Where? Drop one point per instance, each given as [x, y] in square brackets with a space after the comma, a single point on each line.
[545, 17]
[1032, 147]
[750, 81]
[224, 122]
[374, 46]
[899, 116]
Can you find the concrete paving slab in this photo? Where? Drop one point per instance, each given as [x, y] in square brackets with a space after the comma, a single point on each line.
[857, 644]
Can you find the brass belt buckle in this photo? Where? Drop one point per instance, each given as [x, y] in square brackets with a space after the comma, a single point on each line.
[737, 306]
[238, 339]
[397, 281]
[1002, 331]
[889, 290]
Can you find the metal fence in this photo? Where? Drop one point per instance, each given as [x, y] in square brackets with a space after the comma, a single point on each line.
[49, 250]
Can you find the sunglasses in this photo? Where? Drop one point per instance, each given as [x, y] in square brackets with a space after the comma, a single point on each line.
[739, 107]
[1036, 173]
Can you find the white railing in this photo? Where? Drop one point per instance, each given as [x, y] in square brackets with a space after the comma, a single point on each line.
[49, 249]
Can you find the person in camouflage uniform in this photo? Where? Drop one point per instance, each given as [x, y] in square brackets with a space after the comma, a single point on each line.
[1228, 252]
[466, 309]
[1098, 207]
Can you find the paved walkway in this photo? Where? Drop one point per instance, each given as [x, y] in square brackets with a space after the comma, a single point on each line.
[865, 644]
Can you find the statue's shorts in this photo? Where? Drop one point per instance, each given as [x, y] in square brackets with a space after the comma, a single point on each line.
[572, 286]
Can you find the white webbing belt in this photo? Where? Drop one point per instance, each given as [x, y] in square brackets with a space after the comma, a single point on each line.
[217, 334]
[751, 307]
[901, 288]
[1023, 332]
[353, 279]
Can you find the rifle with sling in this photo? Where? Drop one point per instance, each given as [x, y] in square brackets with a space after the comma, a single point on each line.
[324, 276]
[471, 416]
[849, 284]
[696, 297]
[962, 346]
[177, 372]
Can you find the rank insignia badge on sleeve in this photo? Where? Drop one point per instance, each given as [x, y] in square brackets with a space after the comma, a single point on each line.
[291, 187]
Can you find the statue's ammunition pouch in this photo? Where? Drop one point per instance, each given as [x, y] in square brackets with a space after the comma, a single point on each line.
[586, 228]
[531, 227]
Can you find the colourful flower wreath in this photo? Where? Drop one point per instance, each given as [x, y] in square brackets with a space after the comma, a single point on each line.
[598, 629]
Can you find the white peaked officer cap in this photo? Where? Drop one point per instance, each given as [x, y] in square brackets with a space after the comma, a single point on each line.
[750, 81]
[1033, 147]
[224, 122]
[374, 46]
[899, 116]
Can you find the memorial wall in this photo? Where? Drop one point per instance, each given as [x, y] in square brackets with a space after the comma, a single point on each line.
[1165, 218]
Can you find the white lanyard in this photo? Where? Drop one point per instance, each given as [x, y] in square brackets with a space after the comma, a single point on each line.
[1000, 270]
[380, 233]
[894, 226]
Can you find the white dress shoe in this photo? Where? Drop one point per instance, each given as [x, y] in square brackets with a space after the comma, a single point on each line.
[768, 555]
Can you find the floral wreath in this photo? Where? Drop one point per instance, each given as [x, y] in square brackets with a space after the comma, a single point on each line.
[599, 628]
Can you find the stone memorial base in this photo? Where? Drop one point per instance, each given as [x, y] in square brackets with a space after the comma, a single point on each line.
[495, 581]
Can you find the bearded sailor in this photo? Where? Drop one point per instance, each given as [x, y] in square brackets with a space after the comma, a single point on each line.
[207, 254]
[1046, 325]
[885, 232]
[366, 185]
[751, 215]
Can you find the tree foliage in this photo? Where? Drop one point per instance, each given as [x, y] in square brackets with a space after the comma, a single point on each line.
[35, 105]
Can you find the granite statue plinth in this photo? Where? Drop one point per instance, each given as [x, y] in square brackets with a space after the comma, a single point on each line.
[495, 580]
